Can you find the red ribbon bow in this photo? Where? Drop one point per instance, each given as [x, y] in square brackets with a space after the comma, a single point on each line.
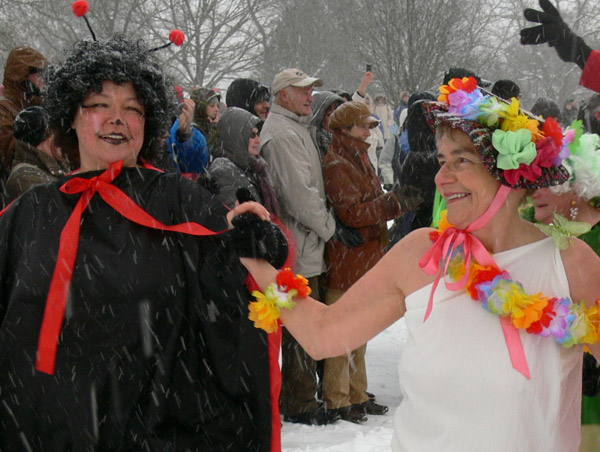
[69, 243]
[443, 249]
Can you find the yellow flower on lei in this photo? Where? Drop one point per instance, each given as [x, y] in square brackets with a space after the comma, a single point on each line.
[264, 312]
[529, 309]
[593, 317]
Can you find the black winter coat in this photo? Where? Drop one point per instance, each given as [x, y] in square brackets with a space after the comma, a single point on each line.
[156, 350]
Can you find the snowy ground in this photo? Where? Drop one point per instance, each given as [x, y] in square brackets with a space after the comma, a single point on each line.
[383, 353]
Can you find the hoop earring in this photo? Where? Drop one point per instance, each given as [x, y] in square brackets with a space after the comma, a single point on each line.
[573, 211]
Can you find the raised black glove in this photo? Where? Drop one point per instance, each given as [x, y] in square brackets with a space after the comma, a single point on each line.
[347, 235]
[253, 237]
[556, 33]
[409, 197]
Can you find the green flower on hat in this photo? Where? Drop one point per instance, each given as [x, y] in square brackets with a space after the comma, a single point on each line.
[490, 112]
[514, 148]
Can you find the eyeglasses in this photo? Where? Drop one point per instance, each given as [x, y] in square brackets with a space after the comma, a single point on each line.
[254, 134]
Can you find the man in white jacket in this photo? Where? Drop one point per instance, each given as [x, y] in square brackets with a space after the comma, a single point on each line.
[295, 168]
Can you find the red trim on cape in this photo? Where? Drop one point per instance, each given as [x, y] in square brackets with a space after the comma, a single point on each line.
[69, 243]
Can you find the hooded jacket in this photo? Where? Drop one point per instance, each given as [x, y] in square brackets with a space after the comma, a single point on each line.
[321, 136]
[231, 168]
[20, 63]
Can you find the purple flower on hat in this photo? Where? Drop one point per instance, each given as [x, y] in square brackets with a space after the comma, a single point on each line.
[466, 104]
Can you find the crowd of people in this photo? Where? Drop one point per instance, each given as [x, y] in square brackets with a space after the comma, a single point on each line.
[139, 220]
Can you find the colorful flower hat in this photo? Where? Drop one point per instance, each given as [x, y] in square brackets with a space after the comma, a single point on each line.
[515, 147]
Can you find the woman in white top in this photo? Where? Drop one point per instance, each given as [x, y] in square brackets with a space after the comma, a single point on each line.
[475, 379]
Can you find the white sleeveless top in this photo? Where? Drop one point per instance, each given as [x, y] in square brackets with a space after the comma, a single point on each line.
[460, 391]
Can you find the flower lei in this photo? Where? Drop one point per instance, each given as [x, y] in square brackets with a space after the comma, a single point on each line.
[569, 323]
[524, 147]
[266, 310]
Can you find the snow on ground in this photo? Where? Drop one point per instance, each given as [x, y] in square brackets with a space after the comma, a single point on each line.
[375, 435]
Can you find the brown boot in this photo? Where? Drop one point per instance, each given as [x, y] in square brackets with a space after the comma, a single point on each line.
[352, 414]
[370, 407]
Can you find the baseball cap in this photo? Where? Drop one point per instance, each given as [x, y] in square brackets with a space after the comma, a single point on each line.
[294, 77]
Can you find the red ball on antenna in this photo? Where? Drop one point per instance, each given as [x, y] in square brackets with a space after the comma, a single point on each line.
[80, 7]
[177, 37]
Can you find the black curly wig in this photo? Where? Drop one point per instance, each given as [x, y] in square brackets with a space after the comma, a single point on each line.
[118, 60]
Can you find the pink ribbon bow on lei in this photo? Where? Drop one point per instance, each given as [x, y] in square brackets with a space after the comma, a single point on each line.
[441, 252]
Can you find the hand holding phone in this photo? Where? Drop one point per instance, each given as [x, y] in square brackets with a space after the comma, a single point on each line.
[369, 67]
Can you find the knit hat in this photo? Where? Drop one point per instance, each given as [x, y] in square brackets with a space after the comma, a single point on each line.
[202, 97]
[352, 114]
[246, 93]
[513, 147]
[294, 77]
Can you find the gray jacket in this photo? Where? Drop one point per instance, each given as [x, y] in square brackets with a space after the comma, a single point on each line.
[231, 167]
[295, 168]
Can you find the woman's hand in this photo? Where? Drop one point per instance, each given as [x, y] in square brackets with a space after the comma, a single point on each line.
[248, 207]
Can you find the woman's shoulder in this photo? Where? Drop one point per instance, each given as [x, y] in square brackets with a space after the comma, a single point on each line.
[582, 266]
[402, 261]
[414, 245]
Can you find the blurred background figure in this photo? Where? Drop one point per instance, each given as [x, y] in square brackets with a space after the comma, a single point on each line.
[237, 163]
[22, 88]
[547, 108]
[35, 161]
[589, 113]
[355, 194]
[249, 95]
[206, 114]
[186, 144]
[569, 111]
[325, 104]
[385, 114]
[506, 89]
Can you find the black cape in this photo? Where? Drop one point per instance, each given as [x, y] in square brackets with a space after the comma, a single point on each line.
[156, 350]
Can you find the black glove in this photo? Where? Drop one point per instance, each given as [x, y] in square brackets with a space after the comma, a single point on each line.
[253, 237]
[591, 375]
[409, 197]
[556, 33]
[348, 236]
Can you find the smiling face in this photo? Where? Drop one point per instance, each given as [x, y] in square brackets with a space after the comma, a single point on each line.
[298, 100]
[462, 179]
[262, 109]
[362, 132]
[212, 110]
[254, 142]
[546, 203]
[109, 127]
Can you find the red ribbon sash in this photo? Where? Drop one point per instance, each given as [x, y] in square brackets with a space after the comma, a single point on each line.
[69, 242]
